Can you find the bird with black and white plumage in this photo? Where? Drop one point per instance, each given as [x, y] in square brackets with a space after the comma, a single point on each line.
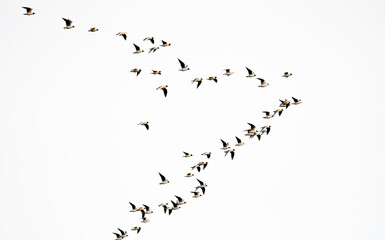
[121, 235]
[156, 72]
[228, 73]
[250, 72]
[153, 49]
[225, 145]
[180, 200]
[68, 24]
[207, 154]
[137, 49]
[151, 39]
[123, 34]
[134, 209]
[287, 74]
[94, 29]
[164, 179]
[187, 155]
[145, 124]
[263, 83]
[202, 186]
[198, 80]
[232, 153]
[136, 70]
[29, 11]
[296, 101]
[239, 142]
[183, 66]
[137, 229]
[165, 44]
[164, 89]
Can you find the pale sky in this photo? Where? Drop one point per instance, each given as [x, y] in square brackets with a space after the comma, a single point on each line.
[72, 156]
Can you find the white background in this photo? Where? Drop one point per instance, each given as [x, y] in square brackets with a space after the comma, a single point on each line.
[72, 155]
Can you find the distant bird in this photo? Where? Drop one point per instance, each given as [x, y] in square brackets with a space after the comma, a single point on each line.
[268, 116]
[213, 79]
[180, 200]
[164, 180]
[232, 152]
[280, 111]
[187, 155]
[29, 11]
[239, 142]
[156, 72]
[285, 103]
[93, 29]
[263, 82]
[137, 49]
[189, 175]
[251, 73]
[164, 89]
[198, 166]
[198, 80]
[175, 205]
[68, 24]
[228, 73]
[207, 154]
[153, 49]
[296, 101]
[196, 194]
[287, 74]
[183, 67]
[267, 129]
[225, 145]
[137, 229]
[123, 34]
[134, 209]
[148, 211]
[259, 134]
[151, 39]
[143, 213]
[122, 234]
[165, 44]
[252, 128]
[136, 70]
[144, 124]
[201, 186]
[162, 204]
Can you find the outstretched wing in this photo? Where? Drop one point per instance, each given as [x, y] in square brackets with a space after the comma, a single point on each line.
[162, 177]
[181, 63]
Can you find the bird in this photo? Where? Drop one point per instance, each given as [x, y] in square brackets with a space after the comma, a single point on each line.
[29, 11]
[68, 24]
[180, 200]
[207, 154]
[136, 70]
[148, 211]
[183, 67]
[189, 175]
[296, 101]
[156, 72]
[287, 74]
[153, 49]
[164, 89]
[280, 111]
[134, 209]
[213, 79]
[196, 194]
[225, 145]
[137, 49]
[252, 128]
[151, 39]
[165, 44]
[175, 205]
[240, 143]
[122, 234]
[145, 124]
[137, 229]
[259, 134]
[198, 166]
[232, 152]
[251, 73]
[93, 29]
[198, 80]
[163, 204]
[263, 82]
[228, 73]
[123, 34]
[164, 180]
[285, 103]
[268, 116]
[265, 128]
[201, 186]
[187, 155]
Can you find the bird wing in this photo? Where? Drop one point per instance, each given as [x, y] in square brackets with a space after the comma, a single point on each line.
[68, 22]
[262, 80]
[199, 83]
[143, 214]
[136, 47]
[146, 207]
[238, 140]
[203, 190]
[181, 63]
[249, 71]
[165, 91]
[295, 100]
[224, 143]
[28, 9]
[121, 231]
[251, 126]
[200, 182]
[132, 205]
[179, 198]
[232, 155]
[162, 177]
[152, 40]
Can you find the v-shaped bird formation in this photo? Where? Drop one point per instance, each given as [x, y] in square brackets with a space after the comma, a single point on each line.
[228, 150]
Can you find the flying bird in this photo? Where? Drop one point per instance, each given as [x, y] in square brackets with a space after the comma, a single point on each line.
[239, 142]
[201, 186]
[137, 229]
[225, 145]
[267, 129]
[122, 234]
[196, 194]
[153, 49]
[164, 180]
[232, 152]
[165, 44]
[287, 74]
[198, 80]
[151, 39]
[189, 175]
[263, 82]
[183, 67]
[68, 24]
[296, 101]
[280, 111]
[213, 79]
[180, 200]
[134, 209]
[251, 73]
[207, 154]
[285, 103]
[29, 11]
[187, 155]
[156, 72]
[175, 205]
[268, 116]
[137, 49]
[145, 124]
[164, 89]
[148, 211]
[123, 34]
[228, 73]
[93, 29]
[136, 70]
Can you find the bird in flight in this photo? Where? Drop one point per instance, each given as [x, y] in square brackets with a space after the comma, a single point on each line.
[232, 152]
[201, 186]
[68, 24]
[134, 209]
[156, 72]
[268, 116]
[196, 194]
[93, 29]
[296, 101]
[239, 142]
[137, 229]
[207, 154]
[186, 155]
[29, 11]
[263, 82]
[137, 49]
[153, 49]
[136, 70]
[180, 200]
[213, 79]
[165, 44]
[164, 180]
[183, 67]
[122, 234]
[251, 73]
[198, 80]
[285, 103]
[189, 175]
[151, 39]
[123, 34]
[225, 145]
[228, 73]
[145, 124]
[164, 89]
[287, 74]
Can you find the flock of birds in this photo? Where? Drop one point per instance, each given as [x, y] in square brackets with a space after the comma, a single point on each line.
[251, 132]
